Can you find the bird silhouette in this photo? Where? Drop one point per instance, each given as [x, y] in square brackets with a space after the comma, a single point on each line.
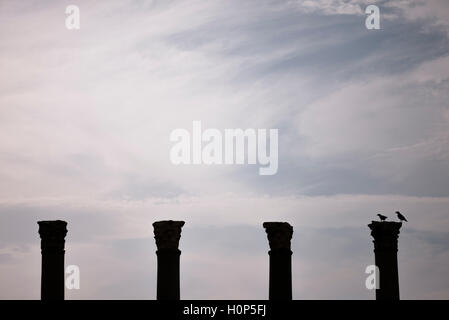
[382, 217]
[400, 216]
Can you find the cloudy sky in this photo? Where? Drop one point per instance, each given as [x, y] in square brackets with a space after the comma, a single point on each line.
[363, 119]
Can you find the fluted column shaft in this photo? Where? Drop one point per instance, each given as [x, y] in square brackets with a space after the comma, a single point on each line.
[167, 235]
[280, 283]
[386, 236]
[52, 235]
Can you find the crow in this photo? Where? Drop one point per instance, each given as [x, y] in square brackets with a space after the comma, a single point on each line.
[400, 216]
[382, 217]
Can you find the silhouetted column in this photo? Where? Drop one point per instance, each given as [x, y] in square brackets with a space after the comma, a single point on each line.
[167, 235]
[279, 236]
[52, 235]
[385, 236]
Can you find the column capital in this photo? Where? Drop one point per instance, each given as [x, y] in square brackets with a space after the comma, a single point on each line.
[167, 234]
[279, 235]
[385, 234]
[52, 235]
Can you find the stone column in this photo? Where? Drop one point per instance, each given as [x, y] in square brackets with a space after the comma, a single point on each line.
[385, 236]
[52, 235]
[279, 236]
[167, 235]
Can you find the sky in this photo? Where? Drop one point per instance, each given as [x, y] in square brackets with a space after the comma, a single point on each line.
[362, 116]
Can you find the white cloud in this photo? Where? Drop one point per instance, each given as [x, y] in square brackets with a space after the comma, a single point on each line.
[334, 6]
[381, 114]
